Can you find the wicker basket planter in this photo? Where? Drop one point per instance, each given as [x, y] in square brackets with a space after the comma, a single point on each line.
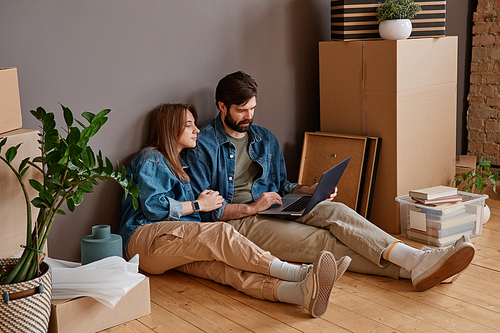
[31, 311]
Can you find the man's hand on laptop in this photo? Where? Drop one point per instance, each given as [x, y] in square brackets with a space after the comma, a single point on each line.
[333, 195]
[304, 189]
[266, 200]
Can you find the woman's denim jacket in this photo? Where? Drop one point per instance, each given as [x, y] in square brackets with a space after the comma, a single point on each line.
[212, 164]
[160, 195]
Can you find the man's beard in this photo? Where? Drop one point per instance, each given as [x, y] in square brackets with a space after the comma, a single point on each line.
[237, 126]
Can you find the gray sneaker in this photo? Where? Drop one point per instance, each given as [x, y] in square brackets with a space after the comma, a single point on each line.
[342, 265]
[440, 264]
[317, 286]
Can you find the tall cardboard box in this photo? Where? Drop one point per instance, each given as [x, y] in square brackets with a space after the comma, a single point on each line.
[404, 92]
[12, 203]
[10, 104]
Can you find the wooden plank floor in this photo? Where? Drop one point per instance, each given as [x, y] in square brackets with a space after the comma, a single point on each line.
[359, 303]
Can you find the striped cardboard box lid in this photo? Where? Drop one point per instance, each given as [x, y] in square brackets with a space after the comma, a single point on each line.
[356, 19]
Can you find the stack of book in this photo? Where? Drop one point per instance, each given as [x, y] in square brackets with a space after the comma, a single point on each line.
[445, 226]
[440, 216]
[437, 196]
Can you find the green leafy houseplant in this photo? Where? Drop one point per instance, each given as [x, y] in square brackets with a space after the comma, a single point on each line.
[69, 169]
[397, 10]
[477, 178]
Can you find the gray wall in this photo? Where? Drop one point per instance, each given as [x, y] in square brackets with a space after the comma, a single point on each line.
[130, 55]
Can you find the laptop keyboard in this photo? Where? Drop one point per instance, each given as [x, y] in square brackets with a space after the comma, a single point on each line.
[298, 205]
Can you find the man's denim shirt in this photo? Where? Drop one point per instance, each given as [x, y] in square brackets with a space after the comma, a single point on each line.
[212, 164]
[160, 196]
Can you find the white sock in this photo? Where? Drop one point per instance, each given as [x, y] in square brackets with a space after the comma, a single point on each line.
[288, 272]
[404, 274]
[403, 255]
[290, 292]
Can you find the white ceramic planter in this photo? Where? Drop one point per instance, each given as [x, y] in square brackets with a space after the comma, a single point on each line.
[486, 213]
[395, 29]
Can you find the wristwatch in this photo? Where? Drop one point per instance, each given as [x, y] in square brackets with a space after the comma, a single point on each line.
[196, 206]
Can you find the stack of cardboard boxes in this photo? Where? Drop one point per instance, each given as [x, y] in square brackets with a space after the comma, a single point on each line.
[12, 202]
[83, 314]
[404, 92]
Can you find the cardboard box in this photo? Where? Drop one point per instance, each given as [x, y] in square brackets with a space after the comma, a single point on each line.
[464, 164]
[466, 161]
[403, 92]
[10, 103]
[442, 226]
[12, 203]
[356, 19]
[85, 314]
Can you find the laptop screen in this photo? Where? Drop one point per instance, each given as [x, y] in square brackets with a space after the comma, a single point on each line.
[327, 184]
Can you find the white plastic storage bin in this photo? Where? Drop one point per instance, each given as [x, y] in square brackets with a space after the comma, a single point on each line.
[442, 226]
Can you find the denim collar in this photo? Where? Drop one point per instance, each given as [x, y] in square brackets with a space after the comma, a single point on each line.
[183, 163]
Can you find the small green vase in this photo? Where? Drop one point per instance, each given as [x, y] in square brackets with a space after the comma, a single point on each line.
[101, 244]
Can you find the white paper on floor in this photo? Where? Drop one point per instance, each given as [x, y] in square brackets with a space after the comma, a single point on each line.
[106, 280]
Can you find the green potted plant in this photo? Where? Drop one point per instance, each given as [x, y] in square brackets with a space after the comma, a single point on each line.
[394, 17]
[476, 180]
[69, 169]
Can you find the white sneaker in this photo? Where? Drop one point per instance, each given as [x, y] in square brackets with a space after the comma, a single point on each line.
[439, 264]
[317, 286]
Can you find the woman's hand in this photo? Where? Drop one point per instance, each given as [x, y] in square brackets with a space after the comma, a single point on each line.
[209, 200]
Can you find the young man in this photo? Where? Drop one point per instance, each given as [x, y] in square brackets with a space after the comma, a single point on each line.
[245, 164]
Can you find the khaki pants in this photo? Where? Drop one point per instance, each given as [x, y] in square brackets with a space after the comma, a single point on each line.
[213, 251]
[330, 226]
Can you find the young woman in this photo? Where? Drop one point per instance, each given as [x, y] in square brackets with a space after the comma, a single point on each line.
[167, 233]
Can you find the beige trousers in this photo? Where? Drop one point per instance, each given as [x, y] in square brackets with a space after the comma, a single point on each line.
[214, 251]
[330, 226]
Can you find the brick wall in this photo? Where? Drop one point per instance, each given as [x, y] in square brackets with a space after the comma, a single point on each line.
[483, 115]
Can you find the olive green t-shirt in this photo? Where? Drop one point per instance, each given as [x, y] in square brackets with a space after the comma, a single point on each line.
[246, 171]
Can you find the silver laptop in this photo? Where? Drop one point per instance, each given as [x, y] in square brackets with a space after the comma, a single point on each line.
[301, 204]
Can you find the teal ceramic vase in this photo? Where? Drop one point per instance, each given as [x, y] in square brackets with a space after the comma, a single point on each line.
[101, 244]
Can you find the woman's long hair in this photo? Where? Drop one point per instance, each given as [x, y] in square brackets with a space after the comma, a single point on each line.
[165, 126]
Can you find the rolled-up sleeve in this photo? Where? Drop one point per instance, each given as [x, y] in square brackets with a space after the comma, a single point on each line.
[217, 213]
[158, 187]
[288, 188]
